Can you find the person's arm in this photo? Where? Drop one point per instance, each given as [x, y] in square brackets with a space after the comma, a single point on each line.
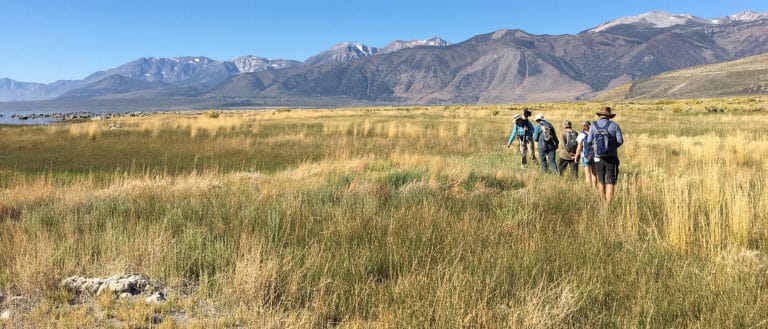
[619, 136]
[512, 136]
[554, 136]
[577, 156]
[580, 145]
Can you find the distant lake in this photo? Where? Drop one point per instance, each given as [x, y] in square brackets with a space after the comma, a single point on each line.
[43, 117]
[24, 118]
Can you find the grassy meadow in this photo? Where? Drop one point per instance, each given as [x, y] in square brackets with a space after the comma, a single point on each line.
[411, 217]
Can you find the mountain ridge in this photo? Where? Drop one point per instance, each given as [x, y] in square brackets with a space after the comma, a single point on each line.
[501, 66]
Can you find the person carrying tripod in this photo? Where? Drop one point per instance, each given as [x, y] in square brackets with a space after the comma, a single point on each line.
[523, 132]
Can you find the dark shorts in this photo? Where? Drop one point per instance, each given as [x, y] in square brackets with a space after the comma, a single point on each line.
[607, 170]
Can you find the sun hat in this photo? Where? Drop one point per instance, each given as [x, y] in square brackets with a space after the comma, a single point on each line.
[606, 111]
[539, 117]
[517, 117]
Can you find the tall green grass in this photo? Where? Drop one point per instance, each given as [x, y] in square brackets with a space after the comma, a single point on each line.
[390, 218]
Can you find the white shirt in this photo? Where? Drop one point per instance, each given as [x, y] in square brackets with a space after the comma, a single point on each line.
[580, 138]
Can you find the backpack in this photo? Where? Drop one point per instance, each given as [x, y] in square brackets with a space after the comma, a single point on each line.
[546, 132]
[601, 140]
[570, 141]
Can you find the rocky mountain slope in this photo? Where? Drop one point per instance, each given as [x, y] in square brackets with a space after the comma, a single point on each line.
[515, 66]
[194, 73]
[499, 67]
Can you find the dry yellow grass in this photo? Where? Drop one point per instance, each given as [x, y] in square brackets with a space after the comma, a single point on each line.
[402, 218]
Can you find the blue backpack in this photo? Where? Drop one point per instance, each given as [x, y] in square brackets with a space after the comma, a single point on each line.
[601, 140]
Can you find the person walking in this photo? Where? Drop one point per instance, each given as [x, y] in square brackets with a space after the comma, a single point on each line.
[585, 156]
[568, 153]
[605, 137]
[527, 122]
[546, 139]
[523, 132]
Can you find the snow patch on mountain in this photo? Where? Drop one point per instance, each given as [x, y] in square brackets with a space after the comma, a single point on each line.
[657, 19]
[400, 44]
[746, 16]
[660, 19]
[342, 53]
[250, 63]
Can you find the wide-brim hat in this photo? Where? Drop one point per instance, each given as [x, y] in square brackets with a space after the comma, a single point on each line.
[517, 117]
[539, 117]
[606, 111]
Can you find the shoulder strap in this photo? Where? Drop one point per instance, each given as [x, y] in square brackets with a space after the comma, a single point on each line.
[607, 124]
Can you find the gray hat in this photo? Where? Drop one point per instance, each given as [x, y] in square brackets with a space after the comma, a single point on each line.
[566, 123]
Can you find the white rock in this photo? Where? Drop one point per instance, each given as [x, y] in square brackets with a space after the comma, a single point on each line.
[156, 298]
[120, 285]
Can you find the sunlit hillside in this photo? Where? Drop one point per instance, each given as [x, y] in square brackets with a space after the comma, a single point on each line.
[740, 78]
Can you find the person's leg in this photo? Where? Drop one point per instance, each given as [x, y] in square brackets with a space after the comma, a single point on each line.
[561, 164]
[523, 153]
[543, 160]
[611, 177]
[600, 175]
[531, 151]
[574, 168]
[583, 163]
[609, 192]
[551, 158]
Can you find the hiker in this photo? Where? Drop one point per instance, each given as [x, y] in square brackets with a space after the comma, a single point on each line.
[568, 153]
[605, 138]
[585, 155]
[523, 132]
[527, 122]
[545, 136]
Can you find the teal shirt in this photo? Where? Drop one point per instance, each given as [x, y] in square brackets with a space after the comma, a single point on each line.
[519, 132]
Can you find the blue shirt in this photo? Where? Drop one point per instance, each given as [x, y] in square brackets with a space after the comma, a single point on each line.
[518, 131]
[614, 130]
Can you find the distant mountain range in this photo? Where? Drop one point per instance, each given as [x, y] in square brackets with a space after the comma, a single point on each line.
[499, 67]
[201, 73]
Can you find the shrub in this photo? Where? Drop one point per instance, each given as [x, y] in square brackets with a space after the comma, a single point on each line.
[213, 114]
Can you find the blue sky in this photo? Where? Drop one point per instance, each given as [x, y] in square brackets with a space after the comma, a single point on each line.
[44, 41]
